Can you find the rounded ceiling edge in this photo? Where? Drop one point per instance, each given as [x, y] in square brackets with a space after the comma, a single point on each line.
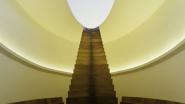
[114, 73]
[31, 62]
[149, 62]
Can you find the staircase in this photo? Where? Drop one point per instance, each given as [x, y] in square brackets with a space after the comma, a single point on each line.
[91, 82]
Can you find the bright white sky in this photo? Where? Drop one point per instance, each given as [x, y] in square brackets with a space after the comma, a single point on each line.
[90, 13]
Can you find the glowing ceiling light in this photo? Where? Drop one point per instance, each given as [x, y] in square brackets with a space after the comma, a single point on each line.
[90, 13]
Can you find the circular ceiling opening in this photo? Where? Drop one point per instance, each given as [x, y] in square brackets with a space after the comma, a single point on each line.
[90, 13]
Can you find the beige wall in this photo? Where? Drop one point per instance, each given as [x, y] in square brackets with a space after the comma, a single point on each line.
[164, 79]
[19, 81]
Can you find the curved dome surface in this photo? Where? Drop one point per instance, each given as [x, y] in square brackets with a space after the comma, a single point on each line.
[135, 33]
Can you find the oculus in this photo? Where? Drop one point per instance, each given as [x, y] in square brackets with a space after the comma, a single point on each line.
[90, 13]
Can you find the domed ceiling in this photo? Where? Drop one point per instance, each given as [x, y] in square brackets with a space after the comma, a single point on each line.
[136, 33]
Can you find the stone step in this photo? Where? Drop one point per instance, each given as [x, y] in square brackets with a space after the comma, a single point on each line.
[87, 82]
[80, 66]
[92, 100]
[87, 76]
[100, 93]
[82, 86]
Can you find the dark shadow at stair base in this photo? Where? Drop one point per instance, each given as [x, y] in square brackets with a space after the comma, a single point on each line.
[92, 100]
[57, 100]
[138, 100]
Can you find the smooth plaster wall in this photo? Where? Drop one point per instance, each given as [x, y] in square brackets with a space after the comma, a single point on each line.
[163, 79]
[20, 81]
